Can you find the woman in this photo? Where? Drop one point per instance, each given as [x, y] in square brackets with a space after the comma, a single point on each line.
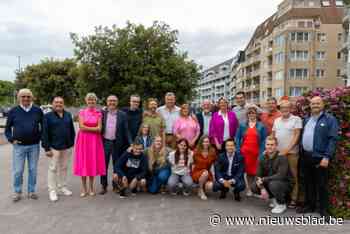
[144, 136]
[250, 140]
[181, 162]
[223, 125]
[203, 160]
[154, 120]
[186, 126]
[159, 169]
[89, 158]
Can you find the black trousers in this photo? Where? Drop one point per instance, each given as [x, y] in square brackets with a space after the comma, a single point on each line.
[315, 182]
[276, 188]
[110, 152]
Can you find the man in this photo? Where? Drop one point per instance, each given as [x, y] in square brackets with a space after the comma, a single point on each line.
[58, 137]
[134, 115]
[273, 177]
[229, 171]
[170, 112]
[319, 139]
[131, 170]
[287, 130]
[23, 131]
[116, 138]
[240, 110]
[272, 113]
[204, 118]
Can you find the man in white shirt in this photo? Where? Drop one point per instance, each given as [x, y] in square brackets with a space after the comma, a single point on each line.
[287, 130]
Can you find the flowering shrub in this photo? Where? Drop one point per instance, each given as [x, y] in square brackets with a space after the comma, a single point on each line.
[338, 103]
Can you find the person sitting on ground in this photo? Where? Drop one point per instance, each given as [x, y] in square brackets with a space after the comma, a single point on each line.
[273, 177]
[229, 171]
[131, 170]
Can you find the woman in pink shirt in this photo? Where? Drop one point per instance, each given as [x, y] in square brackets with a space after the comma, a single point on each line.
[186, 126]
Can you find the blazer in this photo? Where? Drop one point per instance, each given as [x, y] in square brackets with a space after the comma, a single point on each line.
[216, 126]
[237, 171]
[123, 138]
[200, 119]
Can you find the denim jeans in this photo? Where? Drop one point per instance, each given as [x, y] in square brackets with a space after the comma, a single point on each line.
[174, 181]
[20, 154]
[159, 178]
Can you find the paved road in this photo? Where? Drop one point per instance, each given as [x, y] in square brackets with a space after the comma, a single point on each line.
[141, 214]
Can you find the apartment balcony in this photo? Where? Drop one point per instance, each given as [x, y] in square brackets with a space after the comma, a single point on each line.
[346, 18]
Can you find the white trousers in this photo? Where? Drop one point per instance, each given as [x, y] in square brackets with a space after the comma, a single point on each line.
[57, 173]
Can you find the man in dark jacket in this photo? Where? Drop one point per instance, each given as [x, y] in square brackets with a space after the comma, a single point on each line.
[134, 115]
[57, 139]
[204, 118]
[131, 170]
[23, 131]
[229, 171]
[116, 137]
[319, 139]
[273, 178]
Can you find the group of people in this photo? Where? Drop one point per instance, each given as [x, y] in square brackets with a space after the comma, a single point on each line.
[170, 148]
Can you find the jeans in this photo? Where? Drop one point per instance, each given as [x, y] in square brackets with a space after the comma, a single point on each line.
[110, 151]
[20, 154]
[160, 177]
[175, 179]
[57, 173]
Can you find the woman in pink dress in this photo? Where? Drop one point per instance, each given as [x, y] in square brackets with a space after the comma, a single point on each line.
[186, 126]
[89, 158]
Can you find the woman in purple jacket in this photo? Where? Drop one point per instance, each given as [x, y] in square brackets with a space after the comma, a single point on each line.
[223, 124]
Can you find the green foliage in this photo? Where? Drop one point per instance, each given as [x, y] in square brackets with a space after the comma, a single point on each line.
[50, 78]
[134, 59]
[7, 90]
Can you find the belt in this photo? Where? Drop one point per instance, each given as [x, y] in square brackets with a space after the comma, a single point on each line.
[108, 140]
[169, 134]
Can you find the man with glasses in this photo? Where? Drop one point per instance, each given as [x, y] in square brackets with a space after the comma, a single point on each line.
[23, 131]
[134, 115]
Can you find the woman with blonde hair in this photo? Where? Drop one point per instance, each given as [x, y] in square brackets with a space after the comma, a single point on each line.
[89, 158]
[159, 168]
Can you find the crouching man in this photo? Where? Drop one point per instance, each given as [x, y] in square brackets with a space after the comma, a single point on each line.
[131, 169]
[273, 179]
[229, 171]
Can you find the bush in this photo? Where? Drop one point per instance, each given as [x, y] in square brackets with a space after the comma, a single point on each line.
[337, 103]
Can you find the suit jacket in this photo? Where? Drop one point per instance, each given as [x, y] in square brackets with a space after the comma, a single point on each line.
[200, 119]
[123, 138]
[237, 171]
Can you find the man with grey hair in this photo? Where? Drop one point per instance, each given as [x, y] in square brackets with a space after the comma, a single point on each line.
[204, 118]
[170, 112]
[23, 131]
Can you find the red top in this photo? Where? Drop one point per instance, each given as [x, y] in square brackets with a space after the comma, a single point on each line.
[250, 150]
[202, 163]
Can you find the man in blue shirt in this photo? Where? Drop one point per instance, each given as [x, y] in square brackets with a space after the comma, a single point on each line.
[23, 131]
[318, 147]
[58, 137]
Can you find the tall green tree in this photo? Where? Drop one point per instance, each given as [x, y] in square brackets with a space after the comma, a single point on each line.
[134, 59]
[7, 92]
[50, 78]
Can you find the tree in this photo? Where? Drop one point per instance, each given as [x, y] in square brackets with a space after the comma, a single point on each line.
[134, 59]
[7, 92]
[50, 78]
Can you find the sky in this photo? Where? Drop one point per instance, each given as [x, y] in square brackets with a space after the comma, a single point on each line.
[211, 31]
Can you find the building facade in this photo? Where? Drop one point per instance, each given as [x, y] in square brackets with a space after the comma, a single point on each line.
[296, 49]
[346, 45]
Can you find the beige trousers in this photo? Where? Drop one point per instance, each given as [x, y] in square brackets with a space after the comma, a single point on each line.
[57, 173]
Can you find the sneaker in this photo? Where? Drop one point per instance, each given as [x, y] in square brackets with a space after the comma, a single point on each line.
[237, 197]
[249, 193]
[279, 209]
[273, 202]
[202, 195]
[66, 192]
[53, 196]
[185, 193]
[33, 196]
[16, 197]
[173, 193]
[122, 193]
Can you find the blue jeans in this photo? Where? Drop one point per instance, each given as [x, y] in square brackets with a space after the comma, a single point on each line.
[159, 178]
[20, 154]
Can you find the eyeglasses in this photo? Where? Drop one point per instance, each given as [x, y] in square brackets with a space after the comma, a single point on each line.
[26, 96]
[249, 113]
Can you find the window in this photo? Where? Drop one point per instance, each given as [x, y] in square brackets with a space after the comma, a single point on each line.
[279, 75]
[301, 24]
[309, 24]
[319, 73]
[338, 72]
[299, 55]
[321, 37]
[300, 36]
[340, 36]
[279, 58]
[320, 55]
[279, 40]
[339, 55]
[339, 3]
[297, 91]
[298, 74]
[278, 92]
[326, 3]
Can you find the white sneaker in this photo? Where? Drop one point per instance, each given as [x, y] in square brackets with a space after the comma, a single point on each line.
[249, 193]
[66, 192]
[202, 195]
[279, 209]
[273, 202]
[53, 196]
